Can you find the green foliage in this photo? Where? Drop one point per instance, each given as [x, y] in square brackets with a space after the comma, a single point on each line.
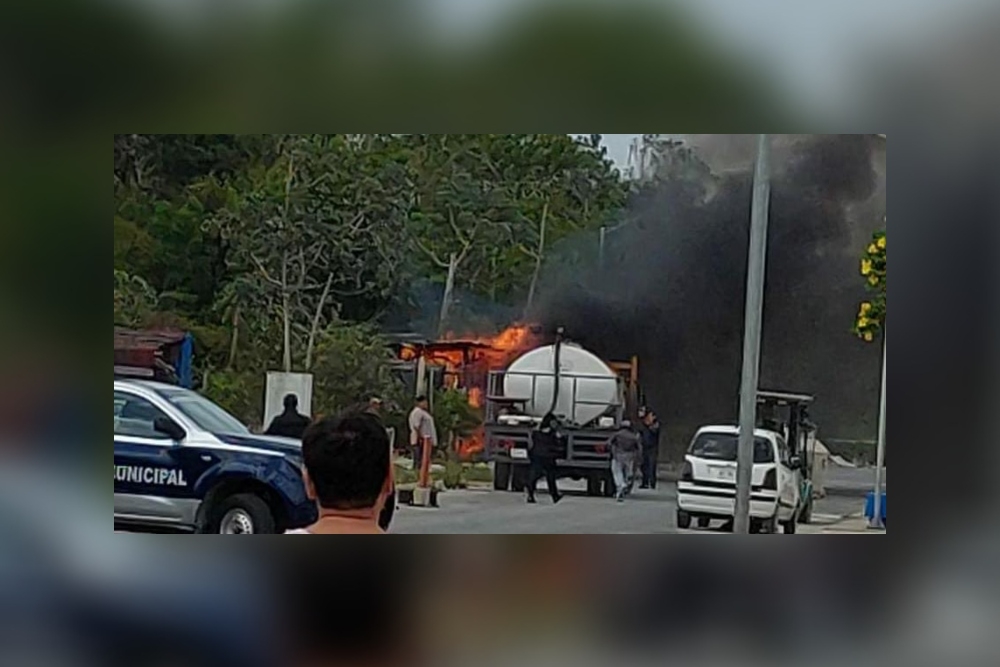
[871, 316]
[454, 417]
[135, 300]
[284, 251]
[350, 365]
[241, 393]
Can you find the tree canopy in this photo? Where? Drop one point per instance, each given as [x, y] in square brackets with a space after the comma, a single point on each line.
[287, 251]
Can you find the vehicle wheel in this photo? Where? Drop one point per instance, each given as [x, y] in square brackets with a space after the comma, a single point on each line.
[704, 522]
[594, 486]
[242, 514]
[789, 527]
[683, 520]
[501, 477]
[518, 478]
[609, 487]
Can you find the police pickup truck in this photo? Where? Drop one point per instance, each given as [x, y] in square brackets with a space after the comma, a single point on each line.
[183, 463]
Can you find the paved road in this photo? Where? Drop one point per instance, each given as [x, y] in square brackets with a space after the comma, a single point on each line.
[850, 481]
[489, 512]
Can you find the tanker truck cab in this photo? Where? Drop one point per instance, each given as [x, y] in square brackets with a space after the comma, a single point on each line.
[707, 487]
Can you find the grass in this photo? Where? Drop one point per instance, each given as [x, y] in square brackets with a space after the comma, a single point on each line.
[454, 475]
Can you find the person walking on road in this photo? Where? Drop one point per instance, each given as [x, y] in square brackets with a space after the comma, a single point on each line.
[423, 438]
[626, 454]
[546, 448]
[650, 449]
[289, 424]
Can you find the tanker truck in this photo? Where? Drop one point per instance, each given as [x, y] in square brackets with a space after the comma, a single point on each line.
[591, 397]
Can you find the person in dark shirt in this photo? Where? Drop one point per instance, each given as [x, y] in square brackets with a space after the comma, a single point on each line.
[650, 432]
[289, 424]
[546, 448]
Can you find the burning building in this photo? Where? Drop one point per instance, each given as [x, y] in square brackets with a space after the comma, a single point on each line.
[464, 363]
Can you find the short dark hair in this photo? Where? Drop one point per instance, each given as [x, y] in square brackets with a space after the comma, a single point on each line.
[421, 399]
[347, 458]
[291, 401]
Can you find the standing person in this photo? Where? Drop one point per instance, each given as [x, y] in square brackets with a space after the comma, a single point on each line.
[546, 447]
[650, 449]
[374, 405]
[289, 424]
[423, 438]
[348, 472]
[626, 454]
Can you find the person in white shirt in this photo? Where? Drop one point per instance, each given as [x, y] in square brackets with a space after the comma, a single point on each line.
[423, 432]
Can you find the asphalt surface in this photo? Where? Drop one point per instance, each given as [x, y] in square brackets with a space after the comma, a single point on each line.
[498, 513]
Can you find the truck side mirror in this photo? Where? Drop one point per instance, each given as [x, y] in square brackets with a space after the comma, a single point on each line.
[795, 463]
[170, 428]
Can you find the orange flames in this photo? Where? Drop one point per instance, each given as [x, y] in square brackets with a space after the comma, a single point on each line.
[468, 360]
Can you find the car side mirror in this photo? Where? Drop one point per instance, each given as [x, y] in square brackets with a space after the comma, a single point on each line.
[795, 463]
[169, 428]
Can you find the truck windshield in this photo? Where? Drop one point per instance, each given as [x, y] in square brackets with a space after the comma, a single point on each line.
[723, 447]
[203, 412]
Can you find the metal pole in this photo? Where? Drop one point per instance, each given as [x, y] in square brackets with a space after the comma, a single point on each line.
[876, 522]
[756, 266]
[600, 249]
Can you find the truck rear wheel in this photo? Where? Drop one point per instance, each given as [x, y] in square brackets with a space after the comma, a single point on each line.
[594, 486]
[501, 476]
[519, 478]
[610, 490]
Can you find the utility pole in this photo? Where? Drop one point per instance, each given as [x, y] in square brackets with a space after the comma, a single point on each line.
[876, 522]
[756, 268]
[600, 251]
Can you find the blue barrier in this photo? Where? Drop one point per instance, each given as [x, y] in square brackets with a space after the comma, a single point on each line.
[870, 506]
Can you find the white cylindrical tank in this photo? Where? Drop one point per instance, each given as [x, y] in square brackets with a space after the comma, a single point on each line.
[583, 374]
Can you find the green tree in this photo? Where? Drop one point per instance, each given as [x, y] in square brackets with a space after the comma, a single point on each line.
[135, 300]
[871, 316]
[312, 233]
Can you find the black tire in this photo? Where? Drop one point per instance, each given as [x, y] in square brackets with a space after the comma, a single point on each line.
[247, 509]
[519, 478]
[610, 491]
[594, 489]
[501, 476]
[683, 520]
[789, 527]
[704, 522]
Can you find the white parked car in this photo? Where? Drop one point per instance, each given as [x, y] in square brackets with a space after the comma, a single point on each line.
[707, 487]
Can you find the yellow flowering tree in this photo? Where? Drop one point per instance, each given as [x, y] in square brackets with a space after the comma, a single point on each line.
[871, 316]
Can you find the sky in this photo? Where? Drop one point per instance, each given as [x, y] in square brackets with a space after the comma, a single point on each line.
[818, 50]
[618, 145]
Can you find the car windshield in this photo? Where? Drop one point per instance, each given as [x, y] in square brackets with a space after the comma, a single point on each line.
[723, 447]
[203, 412]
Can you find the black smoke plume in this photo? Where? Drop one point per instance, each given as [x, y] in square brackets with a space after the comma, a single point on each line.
[672, 290]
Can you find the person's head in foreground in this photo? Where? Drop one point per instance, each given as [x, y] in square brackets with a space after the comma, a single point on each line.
[347, 472]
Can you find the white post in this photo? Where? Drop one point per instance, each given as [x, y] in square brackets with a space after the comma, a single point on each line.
[876, 522]
[756, 269]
